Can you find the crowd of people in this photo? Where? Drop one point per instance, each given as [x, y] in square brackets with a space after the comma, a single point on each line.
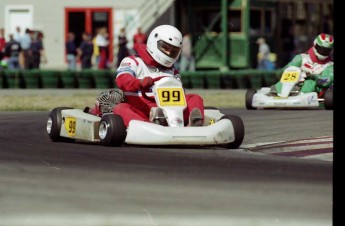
[93, 52]
[22, 50]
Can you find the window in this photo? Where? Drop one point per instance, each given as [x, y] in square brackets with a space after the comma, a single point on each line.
[210, 20]
[261, 21]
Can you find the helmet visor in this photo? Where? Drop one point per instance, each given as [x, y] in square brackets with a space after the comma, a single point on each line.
[323, 50]
[167, 49]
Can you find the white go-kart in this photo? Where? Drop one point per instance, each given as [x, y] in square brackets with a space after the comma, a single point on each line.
[65, 124]
[290, 96]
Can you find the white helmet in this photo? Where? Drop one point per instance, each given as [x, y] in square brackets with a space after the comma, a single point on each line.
[164, 44]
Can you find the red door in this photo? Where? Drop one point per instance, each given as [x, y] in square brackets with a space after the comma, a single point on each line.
[78, 20]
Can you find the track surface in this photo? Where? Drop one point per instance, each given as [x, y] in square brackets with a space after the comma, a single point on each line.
[65, 184]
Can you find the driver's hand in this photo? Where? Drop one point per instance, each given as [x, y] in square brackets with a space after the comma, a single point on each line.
[146, 83]
[308, 71]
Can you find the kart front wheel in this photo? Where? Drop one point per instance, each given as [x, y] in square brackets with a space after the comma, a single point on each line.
[328, 99]
[238, 126]
[249, 99]
[112, 131]
[54, 124]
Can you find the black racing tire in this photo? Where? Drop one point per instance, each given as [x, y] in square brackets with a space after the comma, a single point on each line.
[54, 123]
[328, 96]
[239, 131]
[249, 99]
[210, 108]
[112, 130]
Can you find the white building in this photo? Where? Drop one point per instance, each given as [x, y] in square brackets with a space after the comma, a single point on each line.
[56, 18]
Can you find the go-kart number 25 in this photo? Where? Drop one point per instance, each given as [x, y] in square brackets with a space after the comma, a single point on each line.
[171, 97]
[290, 76]
[70, 125]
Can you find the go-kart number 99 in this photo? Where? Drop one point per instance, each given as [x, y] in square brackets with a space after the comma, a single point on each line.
[70, 125]
[290, 76]
[171, 97]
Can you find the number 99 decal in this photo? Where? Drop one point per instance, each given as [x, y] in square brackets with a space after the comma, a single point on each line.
[70, 126]
[171, 97]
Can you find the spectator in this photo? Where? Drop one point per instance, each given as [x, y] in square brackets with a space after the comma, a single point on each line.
[25, 43]
[71, 51]
[102, 43]
[263, 57]
[36, 50]
[42, 52]
[187, 61]
[138, 38]
[85, 51]
[17, 35]
[95, 54]
[2, 44]
[123, 51]
[12, 51]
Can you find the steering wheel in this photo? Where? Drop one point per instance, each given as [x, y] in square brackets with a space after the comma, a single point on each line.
[143, 92]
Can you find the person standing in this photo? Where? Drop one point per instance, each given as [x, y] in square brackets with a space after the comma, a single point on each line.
[102, 43]
[85, 51]
[12, 51]
[71, 51]
[187, 61]
[123, 50]
[25, 43]
[138, 38]
[36, 50]
[17, 34]
[95, 54]
[2, 44]
[263, 57]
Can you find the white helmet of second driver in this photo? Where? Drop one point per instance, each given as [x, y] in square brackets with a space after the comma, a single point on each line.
[164, 44]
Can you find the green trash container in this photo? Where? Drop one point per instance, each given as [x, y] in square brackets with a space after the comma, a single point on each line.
[256, 79]
[270, 78]
[32, 79]
[50, 78]
[212, 79]
[103, 79]
[185, 78]
[197, 80]
[13, 79]
[2, 78]
[68, 79]
[242, 80]
[227, 81]
[85, 79]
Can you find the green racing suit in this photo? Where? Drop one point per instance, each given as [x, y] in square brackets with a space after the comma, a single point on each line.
[319, 73]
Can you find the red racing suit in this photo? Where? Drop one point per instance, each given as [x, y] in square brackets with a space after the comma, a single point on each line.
[129, 75]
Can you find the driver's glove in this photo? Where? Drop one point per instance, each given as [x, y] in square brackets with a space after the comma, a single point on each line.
[146, 83]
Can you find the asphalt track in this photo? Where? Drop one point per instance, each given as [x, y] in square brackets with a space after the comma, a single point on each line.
[65, 184]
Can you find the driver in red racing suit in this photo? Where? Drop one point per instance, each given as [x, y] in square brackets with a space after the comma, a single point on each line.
[137, 72]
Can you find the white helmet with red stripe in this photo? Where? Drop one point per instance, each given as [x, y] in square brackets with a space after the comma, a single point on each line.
[164, 44]
[323, 46]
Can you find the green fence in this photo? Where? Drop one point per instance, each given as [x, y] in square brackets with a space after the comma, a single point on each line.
[105, 79]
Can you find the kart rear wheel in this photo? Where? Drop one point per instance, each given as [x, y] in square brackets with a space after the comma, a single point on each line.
[249, 99]
[238, 126]
[112, 130]
[328, 99]
[54, 124]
